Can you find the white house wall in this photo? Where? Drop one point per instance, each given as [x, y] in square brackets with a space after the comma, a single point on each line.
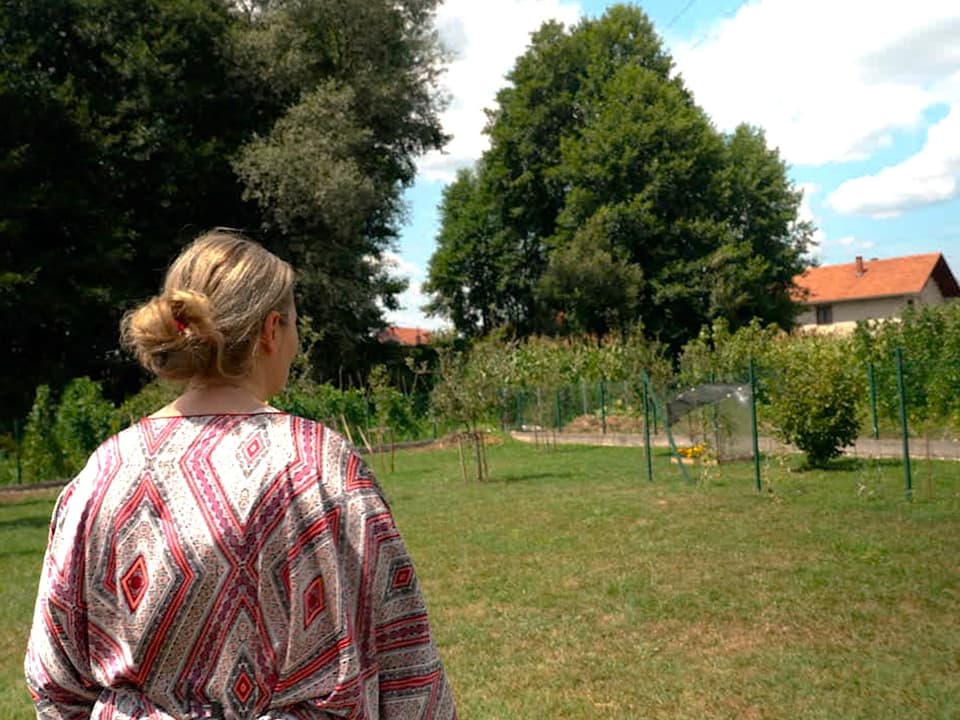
[931, 295]
[848, 313]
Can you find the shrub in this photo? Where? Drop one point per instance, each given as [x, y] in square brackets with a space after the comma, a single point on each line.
[323, 403]
[40, 452]
[814, 402]
[392, 408]
[152, 397]
[84, 419]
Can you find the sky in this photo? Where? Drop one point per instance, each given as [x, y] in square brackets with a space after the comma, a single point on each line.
[861, 97]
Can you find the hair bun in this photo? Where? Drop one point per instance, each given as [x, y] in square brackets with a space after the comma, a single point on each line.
[207, 320]
[191, 313]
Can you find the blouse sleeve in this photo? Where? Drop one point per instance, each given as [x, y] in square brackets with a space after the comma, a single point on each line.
[394, 612]
[400, 676]
[57, 665]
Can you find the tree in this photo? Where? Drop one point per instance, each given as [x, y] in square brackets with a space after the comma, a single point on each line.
[601, 165]
[112, 141]
[466, 268]
[128, 127]
[594, 288]
[356, 84]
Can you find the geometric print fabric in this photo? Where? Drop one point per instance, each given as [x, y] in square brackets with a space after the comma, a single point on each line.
[234, 566]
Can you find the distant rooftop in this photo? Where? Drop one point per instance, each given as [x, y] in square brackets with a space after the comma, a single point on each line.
[406, 336]
[874, 278]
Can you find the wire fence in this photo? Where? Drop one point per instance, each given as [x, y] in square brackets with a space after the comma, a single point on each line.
[721, 419]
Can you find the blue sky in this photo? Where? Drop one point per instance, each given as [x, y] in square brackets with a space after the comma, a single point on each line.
[862, 98]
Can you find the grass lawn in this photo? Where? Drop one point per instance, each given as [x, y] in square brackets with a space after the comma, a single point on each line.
[569, 587]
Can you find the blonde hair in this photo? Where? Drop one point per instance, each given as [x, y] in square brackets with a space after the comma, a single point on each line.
[206, 321]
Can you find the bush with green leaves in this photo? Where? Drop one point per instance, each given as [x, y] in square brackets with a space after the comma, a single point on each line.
[393, 409]
[929, 339]
[151, 397]
[719, 355]
[814, 402]
[40, 452]
[83, 420]
[324, 403]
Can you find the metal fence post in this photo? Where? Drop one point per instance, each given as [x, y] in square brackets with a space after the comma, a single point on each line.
[873, 400]
[646, 433]
[666, 426]
[603, 407]
[753, 425]
[502, 395]
[908, 479]
[559, 414]
[17, 440]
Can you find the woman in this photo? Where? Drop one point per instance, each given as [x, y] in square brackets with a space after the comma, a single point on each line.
[222, 559]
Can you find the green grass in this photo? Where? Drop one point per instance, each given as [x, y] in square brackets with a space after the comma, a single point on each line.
[569, 587]
[24, 519]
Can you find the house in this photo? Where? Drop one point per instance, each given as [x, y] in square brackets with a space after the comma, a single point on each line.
[838, 296]
[405, 336]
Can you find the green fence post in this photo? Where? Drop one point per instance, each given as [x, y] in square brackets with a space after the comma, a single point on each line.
[16, 439]
[666, 427]
[603, 407]
[873, 401]
[502, 396]
[908, 480]
[753, 425]
[646, 433]
[559, 415]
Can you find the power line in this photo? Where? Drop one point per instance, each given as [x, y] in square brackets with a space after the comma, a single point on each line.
[680, 14]
[724, 16]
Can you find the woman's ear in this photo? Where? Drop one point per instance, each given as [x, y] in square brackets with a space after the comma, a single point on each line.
[270, 332]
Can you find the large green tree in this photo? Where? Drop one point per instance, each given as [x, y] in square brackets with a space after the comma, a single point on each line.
[112, 144]
[356, 81]
[126, 126]
[608, 197]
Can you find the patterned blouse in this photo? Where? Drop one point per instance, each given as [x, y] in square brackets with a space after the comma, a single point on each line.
[230, 566]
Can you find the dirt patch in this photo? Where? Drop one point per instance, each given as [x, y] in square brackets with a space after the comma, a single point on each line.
[17, 492]
[615, 424]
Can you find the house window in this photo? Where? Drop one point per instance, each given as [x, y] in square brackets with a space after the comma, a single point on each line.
[824, 315]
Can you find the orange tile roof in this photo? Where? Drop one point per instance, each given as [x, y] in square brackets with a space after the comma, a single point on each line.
[876, 278]
[405, 336]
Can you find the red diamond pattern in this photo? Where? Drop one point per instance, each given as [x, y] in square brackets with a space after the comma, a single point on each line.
[134, 583]
[313, 602]
[402, 577]
[253, 448]
[243, 687]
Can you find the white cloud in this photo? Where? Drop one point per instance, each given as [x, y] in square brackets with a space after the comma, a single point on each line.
[400, 266]
[851, 243]
[411, 299]
[805, 214]
[410, 314]
[828, 81]
[487, 38]
[932, 175]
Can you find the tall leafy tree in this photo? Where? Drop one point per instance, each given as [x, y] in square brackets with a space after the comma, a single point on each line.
[356, 81]
[602, 168]
[128, 126]
[113, 140]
